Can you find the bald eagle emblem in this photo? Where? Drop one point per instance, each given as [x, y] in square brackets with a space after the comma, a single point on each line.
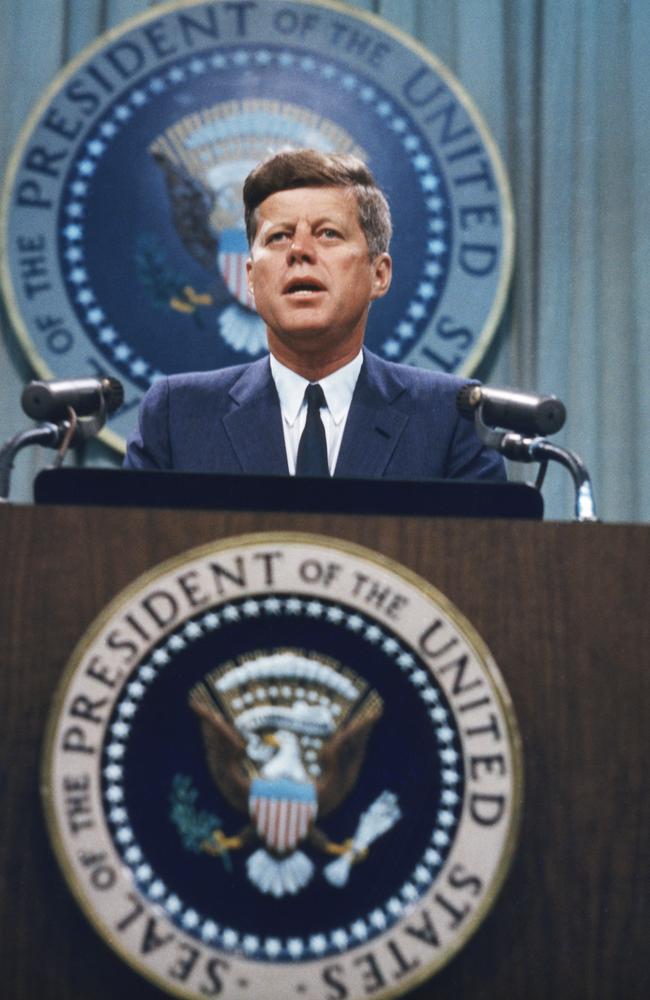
[285, 737]
[204, 158]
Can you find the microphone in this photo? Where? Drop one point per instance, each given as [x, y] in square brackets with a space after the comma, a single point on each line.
[86, 396]
[516, 411]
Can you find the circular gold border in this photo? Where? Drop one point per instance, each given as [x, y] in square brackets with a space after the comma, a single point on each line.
[110, 438]
[466, 629]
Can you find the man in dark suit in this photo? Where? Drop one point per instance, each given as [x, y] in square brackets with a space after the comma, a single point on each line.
[319, 229]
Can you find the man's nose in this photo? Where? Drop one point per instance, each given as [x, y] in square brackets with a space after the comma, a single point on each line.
[302, 247]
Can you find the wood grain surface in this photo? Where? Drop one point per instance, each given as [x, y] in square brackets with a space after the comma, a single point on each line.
[564, 610]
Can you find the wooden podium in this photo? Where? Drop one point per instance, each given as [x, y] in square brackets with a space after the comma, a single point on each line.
[564, 610]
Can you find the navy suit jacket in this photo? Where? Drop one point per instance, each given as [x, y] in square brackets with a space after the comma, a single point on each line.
[402, 424]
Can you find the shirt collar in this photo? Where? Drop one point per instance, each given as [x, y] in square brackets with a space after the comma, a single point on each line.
[337, 387]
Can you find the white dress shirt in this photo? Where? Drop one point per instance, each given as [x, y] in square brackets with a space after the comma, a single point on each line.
[337, 388]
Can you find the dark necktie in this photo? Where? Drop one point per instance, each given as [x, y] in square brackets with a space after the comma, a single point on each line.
[312, 449]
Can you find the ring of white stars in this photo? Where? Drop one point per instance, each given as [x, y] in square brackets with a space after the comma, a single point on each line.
[340, 938]
[435, 255]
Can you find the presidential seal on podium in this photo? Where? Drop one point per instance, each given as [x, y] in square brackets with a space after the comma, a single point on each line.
[283, 765]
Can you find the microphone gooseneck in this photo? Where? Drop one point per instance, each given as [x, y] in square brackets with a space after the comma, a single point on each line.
[524, 419]
[70, 411]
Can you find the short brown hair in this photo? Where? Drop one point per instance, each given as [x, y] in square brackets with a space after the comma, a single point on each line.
[298, 168]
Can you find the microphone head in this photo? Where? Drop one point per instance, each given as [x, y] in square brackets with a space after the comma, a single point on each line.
[524, 412]
[550, 414]
[50, 400]
[113, 394]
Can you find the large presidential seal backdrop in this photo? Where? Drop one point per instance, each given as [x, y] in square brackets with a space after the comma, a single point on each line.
[122, 239]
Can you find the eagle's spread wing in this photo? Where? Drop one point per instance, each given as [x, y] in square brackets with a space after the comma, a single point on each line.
[191, 205]
[342, 756]
[225, 750]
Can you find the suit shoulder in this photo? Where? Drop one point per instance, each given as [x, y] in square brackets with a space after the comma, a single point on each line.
[417, 381]
[217, 379]
[189, 388]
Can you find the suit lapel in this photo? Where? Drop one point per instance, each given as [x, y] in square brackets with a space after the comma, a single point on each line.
[254, 423]
[374, 425]
[372, 430]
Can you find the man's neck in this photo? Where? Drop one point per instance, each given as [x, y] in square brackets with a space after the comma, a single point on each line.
[313, 368]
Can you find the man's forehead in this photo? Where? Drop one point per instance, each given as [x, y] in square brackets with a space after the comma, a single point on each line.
[308, 202]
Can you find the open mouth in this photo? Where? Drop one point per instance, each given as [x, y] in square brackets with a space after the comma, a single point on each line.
[303, 286]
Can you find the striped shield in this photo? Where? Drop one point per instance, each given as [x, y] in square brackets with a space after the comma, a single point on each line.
[231, 258]
[282, 810]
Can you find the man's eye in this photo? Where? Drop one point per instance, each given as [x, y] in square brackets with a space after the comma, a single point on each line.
[330, 234]
[277, 237]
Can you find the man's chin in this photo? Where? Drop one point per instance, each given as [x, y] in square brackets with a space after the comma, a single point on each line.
[312, 335]
[304, 332]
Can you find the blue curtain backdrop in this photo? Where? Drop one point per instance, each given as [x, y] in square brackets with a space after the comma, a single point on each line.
[564, 87]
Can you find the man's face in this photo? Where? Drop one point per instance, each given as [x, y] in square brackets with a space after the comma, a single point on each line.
[311, 274]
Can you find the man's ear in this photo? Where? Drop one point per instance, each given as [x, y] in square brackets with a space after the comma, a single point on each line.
[249, 274]
[382, 274]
